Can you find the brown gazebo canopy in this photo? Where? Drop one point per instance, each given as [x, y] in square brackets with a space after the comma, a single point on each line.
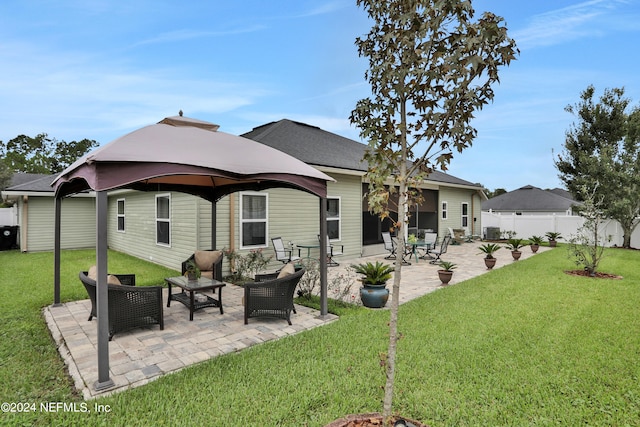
[184, 155]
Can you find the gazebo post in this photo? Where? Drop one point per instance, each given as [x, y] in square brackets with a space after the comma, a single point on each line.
[323, 257]
[56, 251]
[214, 237]
[102, 293]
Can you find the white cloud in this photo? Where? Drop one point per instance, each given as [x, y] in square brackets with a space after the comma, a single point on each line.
[561, 25]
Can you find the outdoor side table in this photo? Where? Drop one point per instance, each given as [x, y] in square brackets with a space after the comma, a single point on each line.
[188, 289]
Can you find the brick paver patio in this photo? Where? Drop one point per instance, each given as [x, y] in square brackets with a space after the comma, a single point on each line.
[142, 355]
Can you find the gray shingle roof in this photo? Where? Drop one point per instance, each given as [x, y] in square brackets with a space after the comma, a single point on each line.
[318, 147]
[35, 182]
[528, 199]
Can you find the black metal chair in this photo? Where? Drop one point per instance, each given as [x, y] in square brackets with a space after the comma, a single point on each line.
[389, 245]
[269, 296]
[437, 253]
[282, 254]
[130, 306]
[430, 242]
[332, 251]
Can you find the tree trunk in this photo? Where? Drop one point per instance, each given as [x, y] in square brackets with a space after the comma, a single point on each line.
[395, 299]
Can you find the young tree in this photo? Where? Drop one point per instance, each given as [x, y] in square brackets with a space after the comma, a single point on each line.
[586, 247]
[602, 154]
[42, 154]
[430, 68]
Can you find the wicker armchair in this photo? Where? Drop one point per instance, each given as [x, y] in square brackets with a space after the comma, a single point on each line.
[129, 306]
[213, 271]
[269, 296]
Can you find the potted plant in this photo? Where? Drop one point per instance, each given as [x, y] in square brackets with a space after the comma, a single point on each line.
[535, 242]
[192, 271]
[446, 271]
[553, 236]
[514, 246]
[374, 293]
[489, 249]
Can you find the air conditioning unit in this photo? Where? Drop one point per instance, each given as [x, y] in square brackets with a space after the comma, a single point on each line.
[492, 233]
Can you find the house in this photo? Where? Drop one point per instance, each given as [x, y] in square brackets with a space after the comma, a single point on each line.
[532, 200]
[449, 202]
[33, 198]
[166, 227]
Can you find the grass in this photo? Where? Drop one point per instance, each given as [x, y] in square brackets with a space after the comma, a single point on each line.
[525, 344]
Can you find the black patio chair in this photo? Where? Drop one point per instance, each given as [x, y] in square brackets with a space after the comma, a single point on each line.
[130, 306]
[437, 253]
[270, 296]
[389, 245]
[209, 262]
[332, 251]
[282, 254]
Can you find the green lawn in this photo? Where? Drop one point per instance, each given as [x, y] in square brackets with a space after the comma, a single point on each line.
[525, 344]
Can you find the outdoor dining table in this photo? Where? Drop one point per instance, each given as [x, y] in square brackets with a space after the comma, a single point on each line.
[419, 244]
[308, 247]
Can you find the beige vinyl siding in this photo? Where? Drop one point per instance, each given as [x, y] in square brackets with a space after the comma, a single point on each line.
[139, 237]
[294, 215]
[77, 226]
[454, 198]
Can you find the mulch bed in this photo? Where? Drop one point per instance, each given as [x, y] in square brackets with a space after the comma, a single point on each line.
[598, 275]
[369, 420]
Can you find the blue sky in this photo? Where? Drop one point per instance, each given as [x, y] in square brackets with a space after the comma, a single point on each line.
[99, 69]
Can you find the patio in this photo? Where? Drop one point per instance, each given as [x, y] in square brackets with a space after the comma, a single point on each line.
[142, 355]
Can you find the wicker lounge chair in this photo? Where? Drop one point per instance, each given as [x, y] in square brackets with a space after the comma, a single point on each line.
[269, 296]
[129, 306]
[209, 263]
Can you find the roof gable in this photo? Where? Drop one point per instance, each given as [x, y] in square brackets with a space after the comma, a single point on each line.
[31, 182]
[529, 198]
[318, 147]
[311, 144]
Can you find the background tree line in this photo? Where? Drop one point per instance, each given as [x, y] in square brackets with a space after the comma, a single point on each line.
[39, 154]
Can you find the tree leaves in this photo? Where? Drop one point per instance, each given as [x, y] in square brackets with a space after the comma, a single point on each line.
[602, 151]
[42, 154]
[430, 68]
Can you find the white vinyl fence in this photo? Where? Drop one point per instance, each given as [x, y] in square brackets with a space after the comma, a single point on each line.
[526, 226]
[9, 216]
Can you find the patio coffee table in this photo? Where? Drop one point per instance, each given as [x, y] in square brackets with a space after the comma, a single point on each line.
[190, 287]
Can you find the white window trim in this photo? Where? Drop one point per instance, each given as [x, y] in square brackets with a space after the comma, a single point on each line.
[168, 220]
[121, 215]
[444, 210]
[463, 216]
[338, 218]
[265, 220]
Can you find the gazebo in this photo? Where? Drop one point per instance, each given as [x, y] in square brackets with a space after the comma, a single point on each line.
[183, 155]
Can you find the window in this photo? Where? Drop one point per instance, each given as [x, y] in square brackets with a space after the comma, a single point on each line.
[465, 215]
[163, 219]
[443, 209]
[120, 214]
[253, 220]
[333, 218]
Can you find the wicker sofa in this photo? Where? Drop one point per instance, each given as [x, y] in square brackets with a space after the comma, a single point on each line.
[270, 296]
[129, 306]
[209, 263]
